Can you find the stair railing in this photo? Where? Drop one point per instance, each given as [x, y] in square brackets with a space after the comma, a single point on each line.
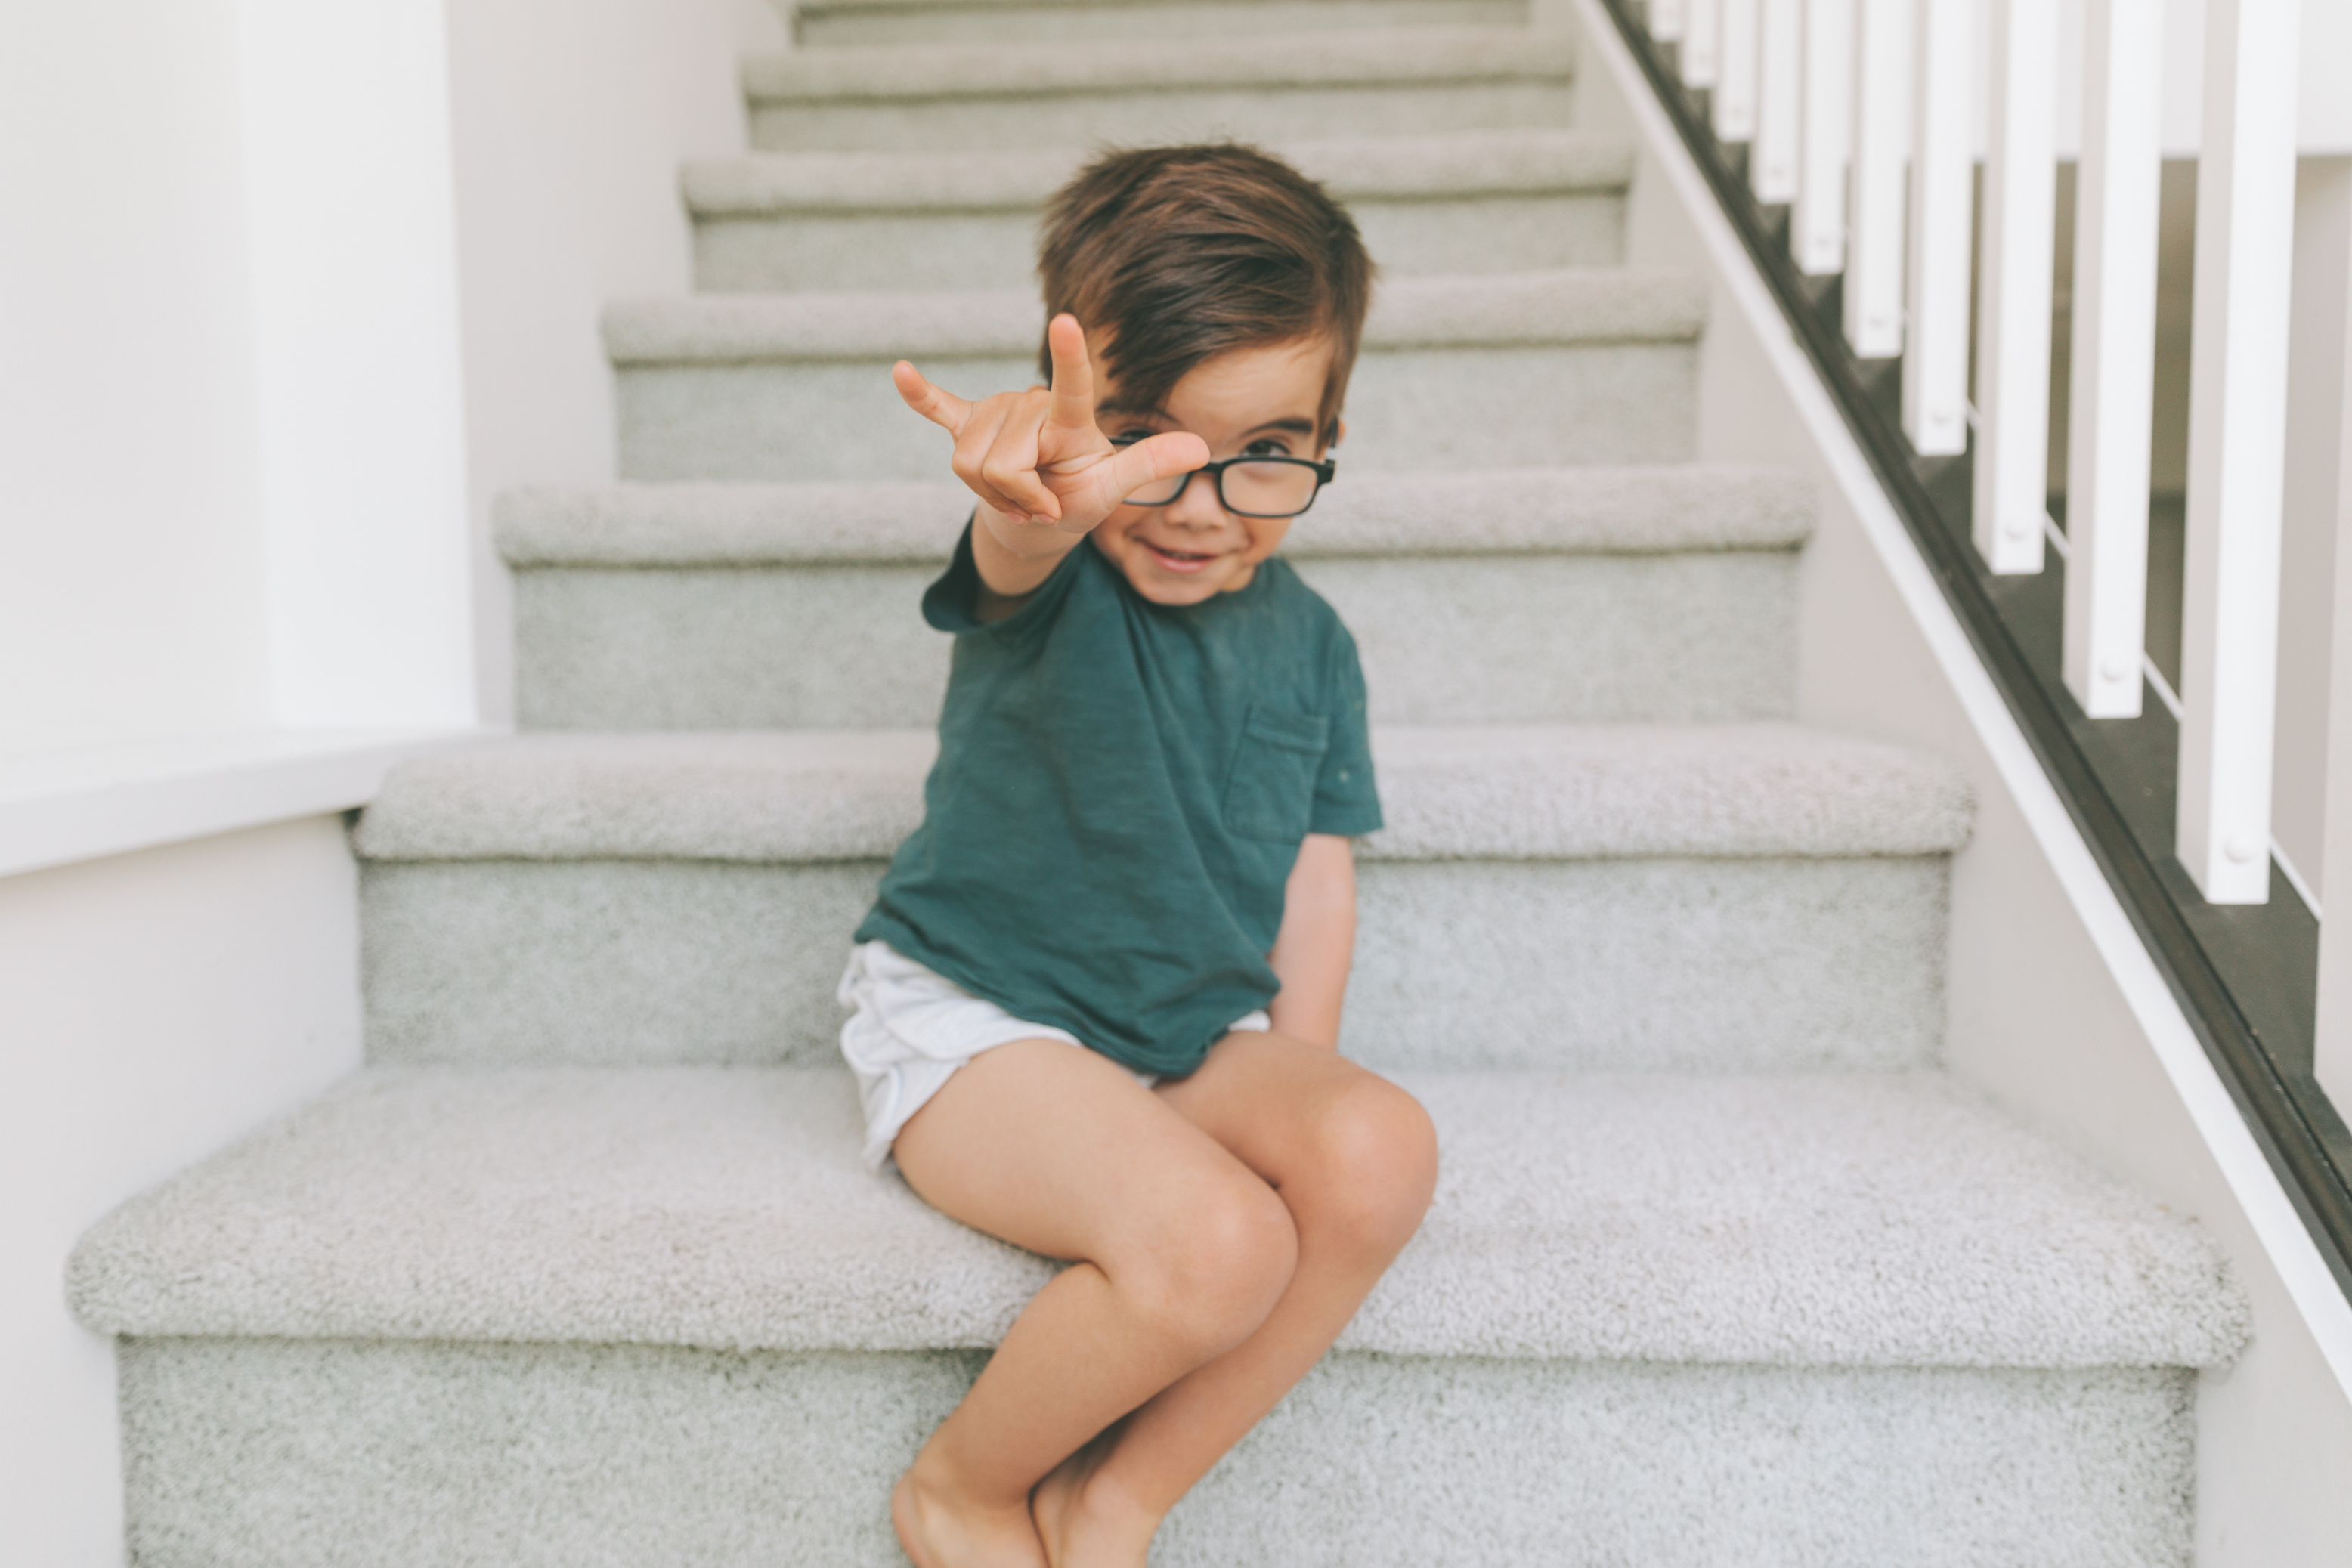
[1843, 139]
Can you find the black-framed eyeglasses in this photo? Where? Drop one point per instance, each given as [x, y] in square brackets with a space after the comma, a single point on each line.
[1249, 486]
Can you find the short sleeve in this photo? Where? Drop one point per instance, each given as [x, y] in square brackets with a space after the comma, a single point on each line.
[951, 603]
[1347, 800]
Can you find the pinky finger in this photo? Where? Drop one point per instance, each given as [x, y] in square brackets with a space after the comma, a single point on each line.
[944, 409]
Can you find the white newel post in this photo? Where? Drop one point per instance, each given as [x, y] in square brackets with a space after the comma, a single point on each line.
[1735, 78]
[1817, 227]
[2112, 402]
[1881, 147]
[1936, 356]
[2237, 411]
[1779, 101]
[2013, 455]
[1702, 42]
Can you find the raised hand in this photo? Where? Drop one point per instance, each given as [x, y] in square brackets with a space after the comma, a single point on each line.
[1038, 459]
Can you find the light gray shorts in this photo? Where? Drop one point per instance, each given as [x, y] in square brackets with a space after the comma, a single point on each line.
[913, 1027]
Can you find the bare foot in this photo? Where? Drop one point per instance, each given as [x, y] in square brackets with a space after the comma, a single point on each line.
[938, 1529]
[1081, 1523]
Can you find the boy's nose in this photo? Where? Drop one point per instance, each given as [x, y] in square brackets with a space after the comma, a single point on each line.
[1197, 505]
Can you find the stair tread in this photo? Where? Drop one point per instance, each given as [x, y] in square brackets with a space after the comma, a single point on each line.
[1398, 56]
[1454, 164]
[1517, 792]
[1843, 1220]
[837, 7]
[1556, 306]
[1631, 509]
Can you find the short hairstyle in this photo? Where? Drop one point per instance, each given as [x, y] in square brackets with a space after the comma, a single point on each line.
[1171, 255]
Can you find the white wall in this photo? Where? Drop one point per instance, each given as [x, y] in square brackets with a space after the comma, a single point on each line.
[152, 1006]
[569, 120]
[286, 292]
[345, 111]
[131, 543]
[2037, 1018]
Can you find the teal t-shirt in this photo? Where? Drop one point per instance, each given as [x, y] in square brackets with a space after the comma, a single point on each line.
[1120, 796]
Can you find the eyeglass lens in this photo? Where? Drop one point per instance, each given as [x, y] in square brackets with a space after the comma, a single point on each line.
[1263, 488]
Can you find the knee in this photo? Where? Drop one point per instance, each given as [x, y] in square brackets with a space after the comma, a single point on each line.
[1216, 1265]
[1369, 1170]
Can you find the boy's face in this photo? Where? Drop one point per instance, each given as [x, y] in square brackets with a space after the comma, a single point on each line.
[1262, 401]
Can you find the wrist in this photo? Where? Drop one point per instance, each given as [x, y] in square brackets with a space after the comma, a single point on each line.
[1021, 537]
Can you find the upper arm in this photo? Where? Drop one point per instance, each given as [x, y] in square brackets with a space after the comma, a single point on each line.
[1323, 878]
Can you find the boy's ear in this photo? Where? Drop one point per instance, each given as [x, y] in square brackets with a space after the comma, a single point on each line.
[1338, 434]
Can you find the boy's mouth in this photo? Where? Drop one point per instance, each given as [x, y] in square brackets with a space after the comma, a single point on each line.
[1177, 559]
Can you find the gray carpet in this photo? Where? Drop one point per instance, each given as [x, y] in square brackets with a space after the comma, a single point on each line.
[1621, 510]
[1568, 305]
[1621, 1218]
[1461, 793]
[566, 1456]
[1025, 71]
[1463, 164]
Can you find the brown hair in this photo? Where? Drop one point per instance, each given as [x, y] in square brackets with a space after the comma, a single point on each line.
[1169, 256]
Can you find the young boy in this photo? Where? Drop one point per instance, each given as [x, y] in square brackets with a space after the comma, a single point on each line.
[1098, 1000]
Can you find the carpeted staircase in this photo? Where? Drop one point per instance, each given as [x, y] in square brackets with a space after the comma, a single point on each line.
[583, 1270]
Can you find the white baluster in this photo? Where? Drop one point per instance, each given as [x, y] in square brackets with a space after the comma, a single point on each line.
[1882, 136]
[1817, 228]
[1667, 19]
[1734, 76]
[2237, 410]
[1779, 101]
[2333, 1052]
[2012, 457]
[2111, 399]
[1935, 353]
[1702, 43]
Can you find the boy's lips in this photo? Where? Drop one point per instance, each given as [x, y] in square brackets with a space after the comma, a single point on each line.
[1177, 561]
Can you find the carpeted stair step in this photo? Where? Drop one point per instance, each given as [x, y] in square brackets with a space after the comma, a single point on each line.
[922, 97]
[1727, 897]
[1467, 203]
[1663, 593]
[821, 24]
[1573, 365]
[1794, 1319]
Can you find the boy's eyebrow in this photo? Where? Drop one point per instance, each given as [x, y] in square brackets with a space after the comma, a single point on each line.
[1293, 425]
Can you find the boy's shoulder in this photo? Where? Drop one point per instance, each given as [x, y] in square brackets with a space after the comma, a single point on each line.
[1290, 597]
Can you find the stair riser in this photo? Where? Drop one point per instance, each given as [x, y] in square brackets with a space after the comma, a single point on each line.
[1089, 24]
[1700, 964]
[968, 250]
[1448, 408]
[1681, 637]
[1141, 119]
[333, 1453]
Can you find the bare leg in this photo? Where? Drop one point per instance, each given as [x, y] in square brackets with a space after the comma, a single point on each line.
[1355, 1160]
[1179, 1252]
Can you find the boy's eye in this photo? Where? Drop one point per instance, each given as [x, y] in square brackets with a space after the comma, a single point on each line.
[1267, 447]
[1129, 437]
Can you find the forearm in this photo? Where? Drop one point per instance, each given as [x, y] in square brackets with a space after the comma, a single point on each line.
[1316, 942]
[1015, 558]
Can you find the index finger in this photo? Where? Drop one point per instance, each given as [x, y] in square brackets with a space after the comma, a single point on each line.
[1072, 405]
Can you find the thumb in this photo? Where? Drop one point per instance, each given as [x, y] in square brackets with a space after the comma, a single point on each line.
[1161, 457]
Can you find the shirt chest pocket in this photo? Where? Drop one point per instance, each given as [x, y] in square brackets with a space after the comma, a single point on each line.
[1271, 793]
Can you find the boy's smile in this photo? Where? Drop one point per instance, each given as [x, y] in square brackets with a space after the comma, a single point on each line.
[1261, 401]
